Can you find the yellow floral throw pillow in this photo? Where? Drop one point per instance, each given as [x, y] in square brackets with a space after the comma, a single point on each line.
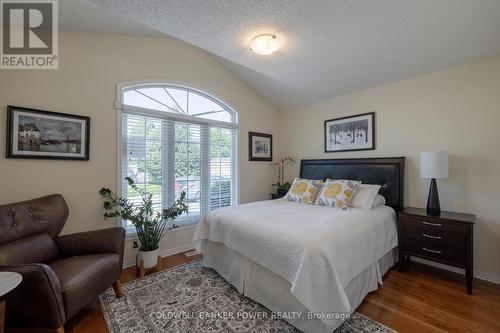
[337, 193]
[303, 190]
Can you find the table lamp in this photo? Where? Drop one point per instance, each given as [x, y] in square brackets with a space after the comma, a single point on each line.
[433, 165]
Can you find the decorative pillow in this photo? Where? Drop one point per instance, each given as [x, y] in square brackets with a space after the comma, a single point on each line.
[365, 196]
[379, 201]
[303, 190]
[337, 193]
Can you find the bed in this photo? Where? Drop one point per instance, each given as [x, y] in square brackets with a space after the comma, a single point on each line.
[312, 264]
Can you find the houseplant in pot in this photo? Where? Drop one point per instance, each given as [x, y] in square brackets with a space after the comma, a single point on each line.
[151, 225]
[281, 186]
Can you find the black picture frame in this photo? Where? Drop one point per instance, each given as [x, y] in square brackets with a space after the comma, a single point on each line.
[251, 148]
[370, 134]
[13, 152]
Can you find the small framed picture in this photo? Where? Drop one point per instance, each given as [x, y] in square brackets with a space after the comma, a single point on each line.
[350, 133]
[43, 134]
[260, 147]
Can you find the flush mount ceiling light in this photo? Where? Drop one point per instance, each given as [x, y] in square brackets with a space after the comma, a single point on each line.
[265, 44]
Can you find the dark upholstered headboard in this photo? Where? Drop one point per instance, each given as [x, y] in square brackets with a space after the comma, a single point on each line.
[385, 171]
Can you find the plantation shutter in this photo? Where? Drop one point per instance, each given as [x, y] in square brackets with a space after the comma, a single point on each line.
[166, 156]
[222, 168]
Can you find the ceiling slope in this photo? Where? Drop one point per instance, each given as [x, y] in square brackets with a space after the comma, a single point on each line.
[332, 47]
[83, 16]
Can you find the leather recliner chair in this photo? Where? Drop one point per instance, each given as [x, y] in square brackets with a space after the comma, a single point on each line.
[61, 274]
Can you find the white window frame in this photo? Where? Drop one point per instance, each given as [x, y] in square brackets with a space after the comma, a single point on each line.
[121, 108]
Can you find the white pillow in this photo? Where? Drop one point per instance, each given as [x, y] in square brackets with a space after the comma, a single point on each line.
[364, 196]
[379, 201]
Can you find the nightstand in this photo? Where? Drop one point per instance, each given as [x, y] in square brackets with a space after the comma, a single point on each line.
[446, 238]
[276, 196]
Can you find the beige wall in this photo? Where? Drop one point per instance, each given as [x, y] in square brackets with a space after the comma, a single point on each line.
[90, 67]
[457, 110]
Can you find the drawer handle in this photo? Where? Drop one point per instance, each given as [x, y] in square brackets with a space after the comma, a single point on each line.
[432, 251]
[430, 236]
[433, 224]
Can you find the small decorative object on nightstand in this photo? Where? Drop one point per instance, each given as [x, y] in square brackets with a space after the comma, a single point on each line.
[433, 164]
[276, 196]
[446, 238]
[281, 186]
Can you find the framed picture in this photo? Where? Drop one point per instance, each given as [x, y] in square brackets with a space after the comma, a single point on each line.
[260, 147]
[350, 133]
[46, 135]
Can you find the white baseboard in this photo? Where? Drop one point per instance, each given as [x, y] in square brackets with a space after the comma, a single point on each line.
[477, 274]
[165, 253]
[128, 262]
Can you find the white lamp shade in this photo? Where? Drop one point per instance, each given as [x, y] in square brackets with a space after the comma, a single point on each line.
[434, 164]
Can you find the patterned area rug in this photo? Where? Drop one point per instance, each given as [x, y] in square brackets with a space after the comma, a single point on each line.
[191, 298]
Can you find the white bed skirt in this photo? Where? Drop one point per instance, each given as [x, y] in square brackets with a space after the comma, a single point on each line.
[274, 292]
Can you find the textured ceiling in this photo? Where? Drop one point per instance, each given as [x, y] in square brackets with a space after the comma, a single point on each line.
[332, 47]
[81, 15]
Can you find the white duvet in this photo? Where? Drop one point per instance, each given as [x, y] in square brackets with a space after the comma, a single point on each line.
[318, 249]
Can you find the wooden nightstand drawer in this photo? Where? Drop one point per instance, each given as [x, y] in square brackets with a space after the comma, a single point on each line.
[454, 237]
[440, 252]
[432, 223]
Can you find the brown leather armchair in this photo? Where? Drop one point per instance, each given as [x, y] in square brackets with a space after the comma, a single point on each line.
[61, 274]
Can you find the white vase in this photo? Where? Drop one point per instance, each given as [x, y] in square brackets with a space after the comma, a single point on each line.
[150, 258]
[275, 189]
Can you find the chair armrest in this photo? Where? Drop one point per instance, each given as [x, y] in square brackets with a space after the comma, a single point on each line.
[37, 301]
[110, 240]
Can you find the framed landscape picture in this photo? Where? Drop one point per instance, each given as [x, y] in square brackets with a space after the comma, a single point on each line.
[46, 135]
[350, 133]
[260, 147]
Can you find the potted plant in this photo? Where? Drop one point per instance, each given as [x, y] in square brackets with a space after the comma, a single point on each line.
[151, 225]
[282, 187]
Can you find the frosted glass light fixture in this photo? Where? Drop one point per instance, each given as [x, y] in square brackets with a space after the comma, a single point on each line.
[265, 44]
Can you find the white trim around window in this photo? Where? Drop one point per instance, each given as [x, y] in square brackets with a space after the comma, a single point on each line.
[204, 129]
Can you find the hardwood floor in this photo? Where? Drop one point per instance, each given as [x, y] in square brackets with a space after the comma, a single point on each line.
[427, 299]
[417, 299]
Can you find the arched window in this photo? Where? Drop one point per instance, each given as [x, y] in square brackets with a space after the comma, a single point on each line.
[174, 139]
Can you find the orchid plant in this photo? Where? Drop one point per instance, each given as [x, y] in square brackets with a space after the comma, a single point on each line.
[281, 184]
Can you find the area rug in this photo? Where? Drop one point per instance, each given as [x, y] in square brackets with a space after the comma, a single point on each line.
[192, 298]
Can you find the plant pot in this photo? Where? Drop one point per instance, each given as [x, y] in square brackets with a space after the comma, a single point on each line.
[150, 258]
[274, 189]
[282, 191]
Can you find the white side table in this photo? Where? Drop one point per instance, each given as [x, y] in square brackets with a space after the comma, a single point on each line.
[8, 281]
